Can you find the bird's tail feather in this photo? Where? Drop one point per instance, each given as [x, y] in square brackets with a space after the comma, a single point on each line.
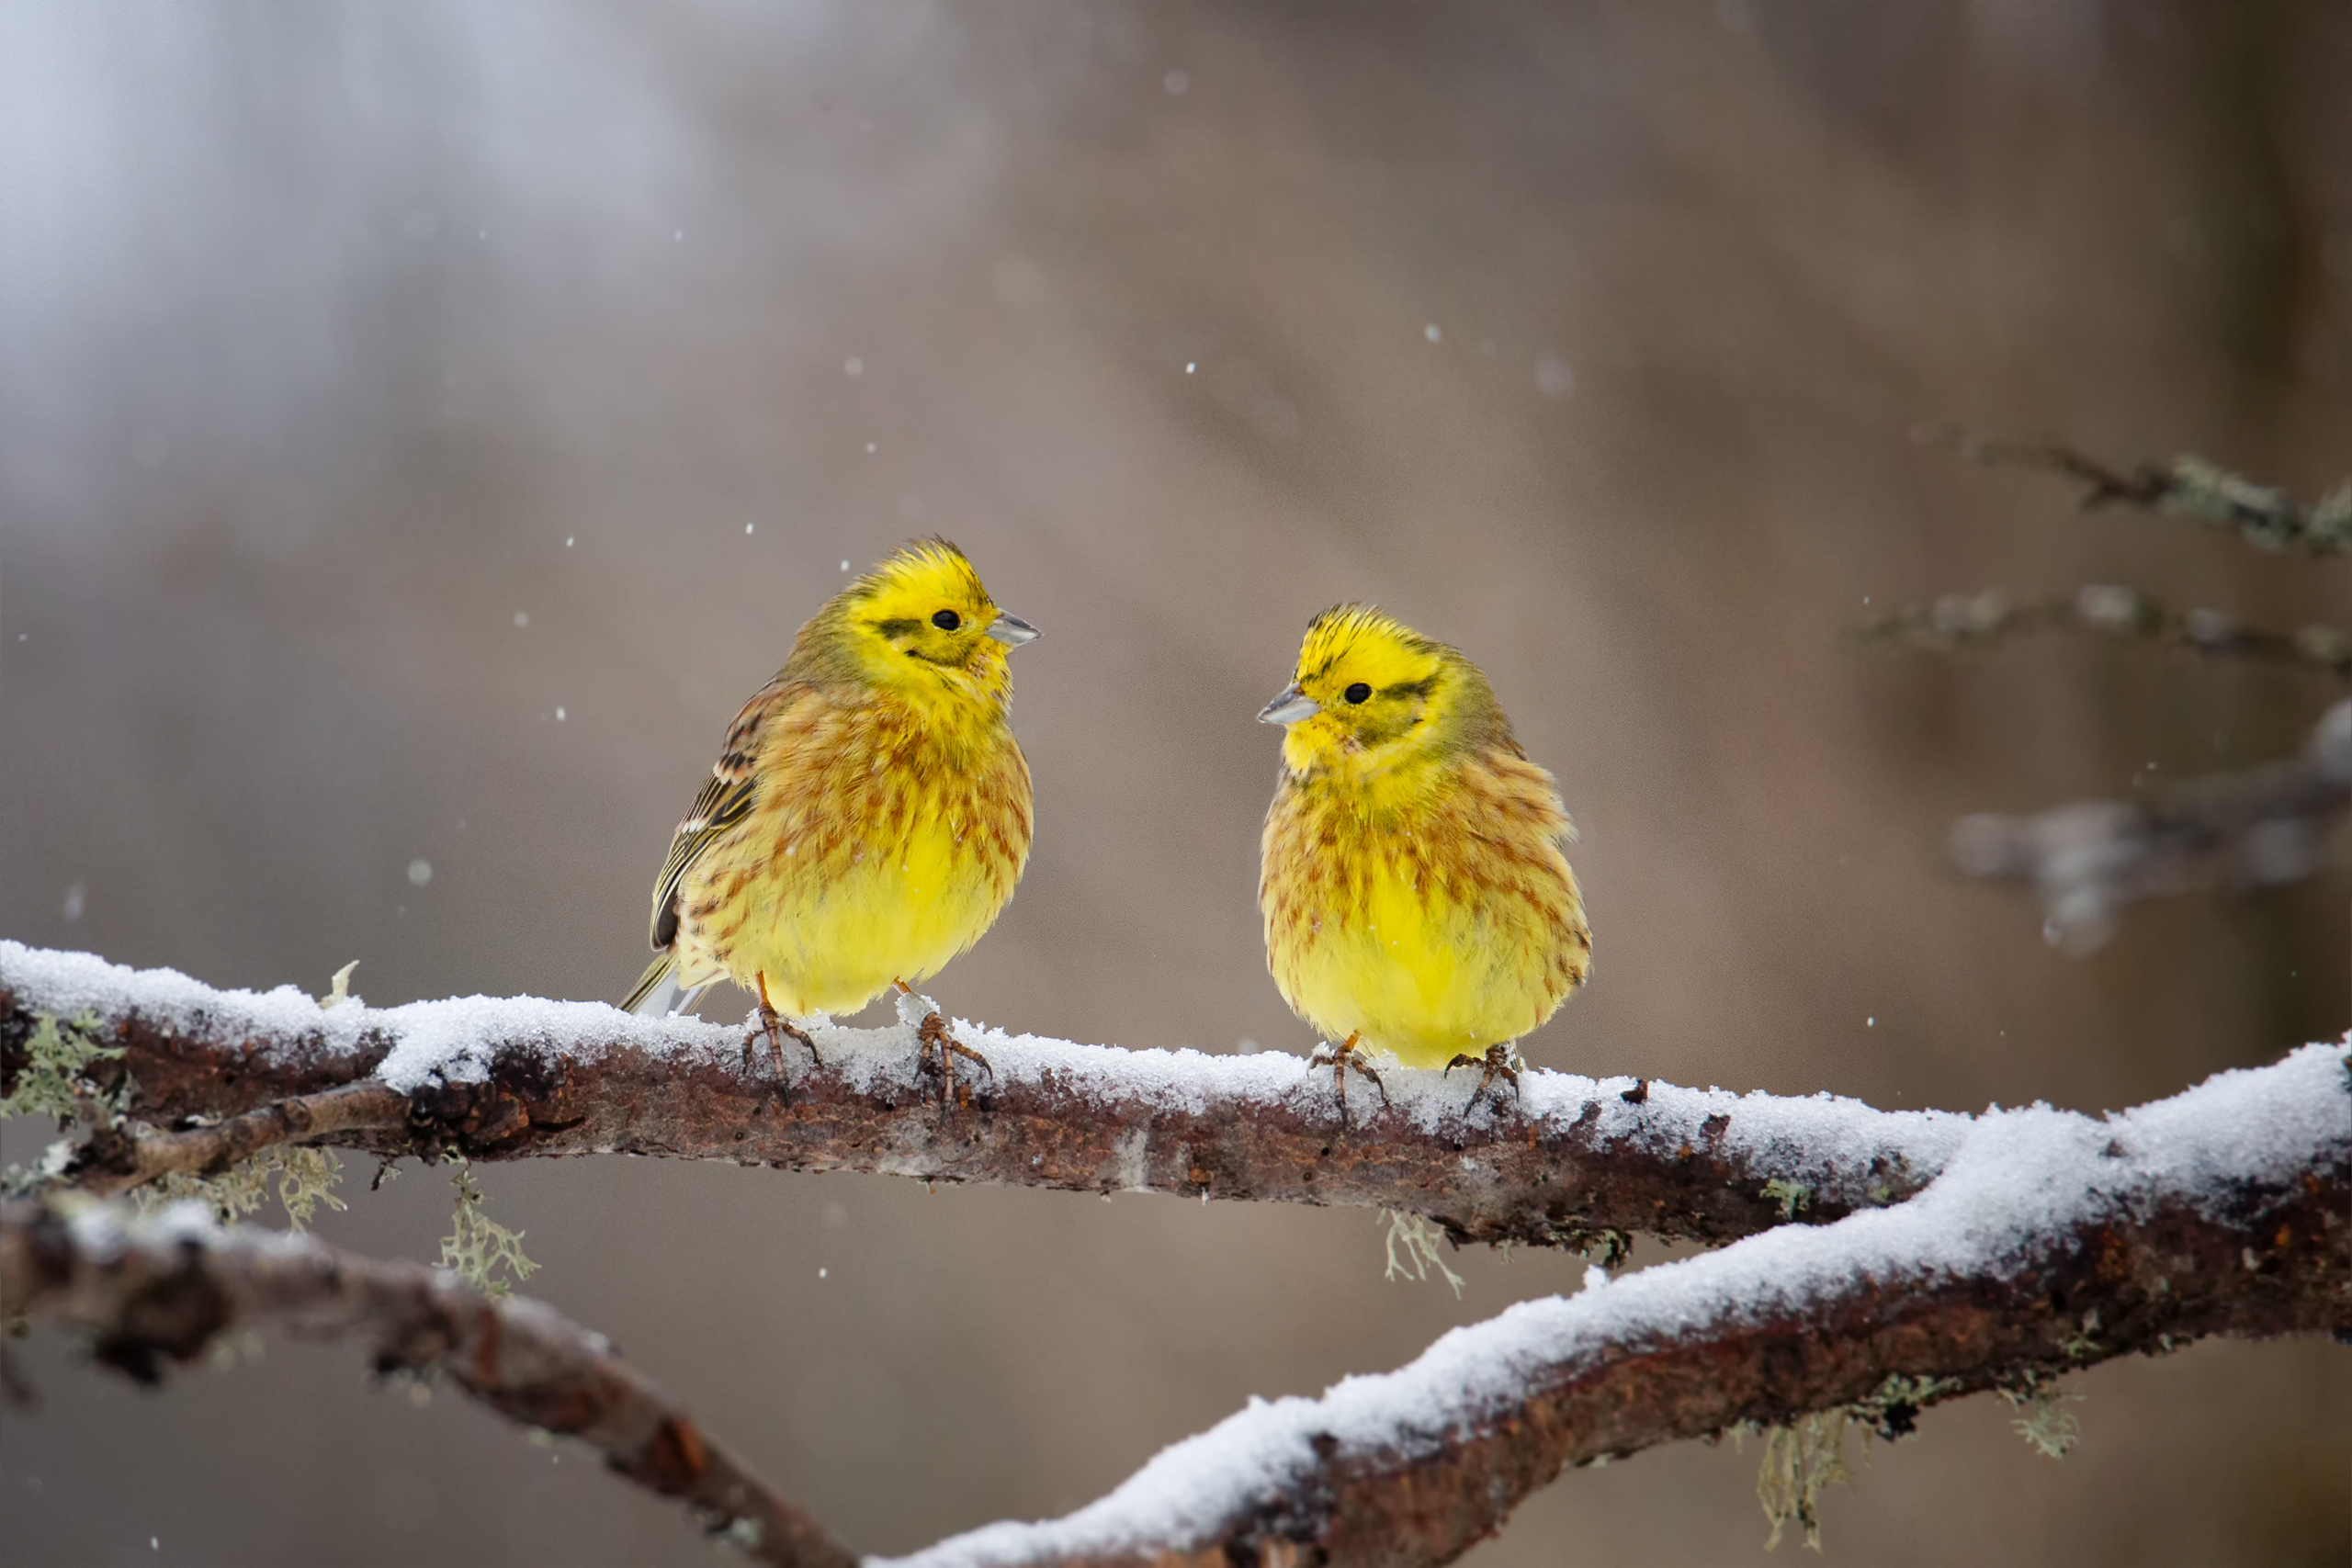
[658, 994]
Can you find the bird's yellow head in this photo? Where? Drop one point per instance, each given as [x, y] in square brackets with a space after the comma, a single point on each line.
[921, 624]
[1371, 693]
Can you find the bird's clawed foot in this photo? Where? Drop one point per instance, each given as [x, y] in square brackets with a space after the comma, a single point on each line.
[773, 1026]
[932, 1036]
[1340, 1058]
[1499, 1062]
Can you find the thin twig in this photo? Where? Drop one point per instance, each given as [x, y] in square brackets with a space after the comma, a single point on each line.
[1958, 621]
[2260, 828]
[2269, 518]
[116, 1159]
[156, 1292]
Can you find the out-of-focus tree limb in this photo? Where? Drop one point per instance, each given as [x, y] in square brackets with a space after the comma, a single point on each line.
[2053, 1242]
[2266, 517]
[157, 1290]
[1571, 1162]
[2087, 860]
[1959, 621]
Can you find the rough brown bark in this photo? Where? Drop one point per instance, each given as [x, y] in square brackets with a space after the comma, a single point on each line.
[154, 1293]
[2227, 1214]
[1615, 1159]
[2167, 1262]
[117, 1159]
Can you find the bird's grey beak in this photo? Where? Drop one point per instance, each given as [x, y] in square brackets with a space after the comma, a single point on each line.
[1289, 708]
[1012, 630]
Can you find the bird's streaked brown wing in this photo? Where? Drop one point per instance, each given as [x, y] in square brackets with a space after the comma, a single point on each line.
[726, 798]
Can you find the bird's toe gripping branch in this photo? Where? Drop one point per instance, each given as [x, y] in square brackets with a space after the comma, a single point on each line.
[773, 1026]
[1348, 1053]
[1499, 1062]
[935, 1048]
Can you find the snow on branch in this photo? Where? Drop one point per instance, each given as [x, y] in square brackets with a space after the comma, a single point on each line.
[1959, 1254]
[2051, 1241]
[160, 1289]
[2263, 516]
[1574, 1161]
[2256, 829]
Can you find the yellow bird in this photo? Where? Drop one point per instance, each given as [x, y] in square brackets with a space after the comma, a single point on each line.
[1416, 894]
[869, 815]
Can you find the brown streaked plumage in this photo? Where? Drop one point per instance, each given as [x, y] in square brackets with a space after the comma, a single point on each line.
[1413, 888]
[869, 815]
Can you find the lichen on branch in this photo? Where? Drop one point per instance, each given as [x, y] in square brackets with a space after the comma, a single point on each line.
[2264, 516]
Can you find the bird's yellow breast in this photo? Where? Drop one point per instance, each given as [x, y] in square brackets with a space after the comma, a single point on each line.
[882, 844]
[1431, 917]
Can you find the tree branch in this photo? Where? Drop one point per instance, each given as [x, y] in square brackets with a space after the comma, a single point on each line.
[2051, 1242]
[2037, 1241]
[1979, 620]
[2267, 518]
[2260, 828]
[159, 1290]
[1572, 1162]
[117, 1159]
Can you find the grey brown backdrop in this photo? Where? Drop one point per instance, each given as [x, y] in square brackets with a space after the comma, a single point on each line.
[420, 426]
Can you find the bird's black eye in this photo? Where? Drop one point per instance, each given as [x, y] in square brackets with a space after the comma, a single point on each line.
[1358, 693]
[946, 620]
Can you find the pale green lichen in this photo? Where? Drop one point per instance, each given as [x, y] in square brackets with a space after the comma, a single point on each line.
[1888, 1413]
[57, 1056]
[2046, 1424]
[1803, 1460]
[1419, 1236]
[478, 1248]
[1793, 1196]
[306, 1178]
[1801, 1463]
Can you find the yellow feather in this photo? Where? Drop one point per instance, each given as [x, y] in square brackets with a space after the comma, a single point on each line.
[1412, 877]
[887, 817]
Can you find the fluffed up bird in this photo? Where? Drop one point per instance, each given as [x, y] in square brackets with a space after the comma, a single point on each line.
[1416, 893]
[868, 817]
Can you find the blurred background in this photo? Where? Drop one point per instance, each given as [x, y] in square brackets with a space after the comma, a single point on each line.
[420, 427]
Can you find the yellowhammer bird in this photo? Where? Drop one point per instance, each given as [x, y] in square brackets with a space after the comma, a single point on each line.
[869, 815]
[1416, 895]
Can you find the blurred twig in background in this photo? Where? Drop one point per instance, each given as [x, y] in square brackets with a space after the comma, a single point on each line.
[2257, 829]
[2261, 828]
[160, 1289]
[2187, 487]
[1980, 620]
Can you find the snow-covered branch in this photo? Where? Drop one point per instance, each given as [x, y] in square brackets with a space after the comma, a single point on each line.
[158, 1291]
[2255, 828]
[2050, 1242]
[1956, 1254]
[1573, 1161]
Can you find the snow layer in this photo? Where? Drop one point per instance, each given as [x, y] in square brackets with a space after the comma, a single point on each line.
[2018, 1180]
[453, 1040]
[1833, 1146]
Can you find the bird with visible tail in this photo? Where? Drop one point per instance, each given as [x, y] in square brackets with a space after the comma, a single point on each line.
[1415, 893]
[868, 817]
